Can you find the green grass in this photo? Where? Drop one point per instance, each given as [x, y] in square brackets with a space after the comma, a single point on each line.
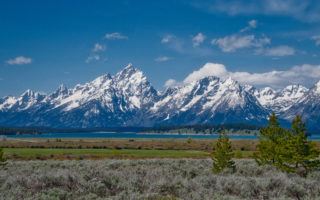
[243, 154]
[38, 153]
[47, 153]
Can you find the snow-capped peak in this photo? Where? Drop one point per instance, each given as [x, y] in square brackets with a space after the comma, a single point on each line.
[128, 99]
[61, 92]
[249, 88]
[134, 87]
[129, 65]
[128, 71]
[293, 91]
[29, 98]
[101, 80]
[7, 102]
[282, 100]
[130, 76]
[316, 87]
[28, 93]
[229, 81]
[268, 91]
[62, 87]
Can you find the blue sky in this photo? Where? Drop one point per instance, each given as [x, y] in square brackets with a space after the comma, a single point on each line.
[46, 43]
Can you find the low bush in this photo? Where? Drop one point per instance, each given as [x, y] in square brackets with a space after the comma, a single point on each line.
[151, 179]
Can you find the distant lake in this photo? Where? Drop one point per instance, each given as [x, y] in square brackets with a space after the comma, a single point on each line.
[128, 135]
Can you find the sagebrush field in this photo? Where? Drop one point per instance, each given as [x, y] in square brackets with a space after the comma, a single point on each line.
[150, 179]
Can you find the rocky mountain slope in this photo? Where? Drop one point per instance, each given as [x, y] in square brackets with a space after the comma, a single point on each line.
[128, 99]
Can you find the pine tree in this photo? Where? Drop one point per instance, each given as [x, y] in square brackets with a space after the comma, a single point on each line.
[289, 151]
[298, 126]
[303, 154]
[271, 138]
[223, 154]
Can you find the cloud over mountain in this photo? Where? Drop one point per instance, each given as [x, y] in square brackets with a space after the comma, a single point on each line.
[302, 74]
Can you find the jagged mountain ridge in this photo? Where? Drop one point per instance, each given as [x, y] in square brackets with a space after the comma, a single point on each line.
[278, 101]
[308, 106]
[105, 102]
[210, 101]
[128, 99]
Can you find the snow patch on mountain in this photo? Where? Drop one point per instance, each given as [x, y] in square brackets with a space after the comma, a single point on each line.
[128, 99]
[281, 100]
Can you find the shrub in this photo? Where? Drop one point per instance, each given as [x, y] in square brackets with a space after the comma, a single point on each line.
[2, 158]
[150, 179]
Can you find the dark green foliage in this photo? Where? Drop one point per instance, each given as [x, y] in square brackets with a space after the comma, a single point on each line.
[298, 126]
[302, 155]
[223, 154]
[271, 139]
[288, 150]
[203, 128]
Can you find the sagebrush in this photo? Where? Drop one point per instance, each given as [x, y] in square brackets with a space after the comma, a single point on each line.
[151, 179]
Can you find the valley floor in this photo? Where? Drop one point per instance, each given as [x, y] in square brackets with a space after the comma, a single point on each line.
[78, 149]
[150, 179]
[140, 169]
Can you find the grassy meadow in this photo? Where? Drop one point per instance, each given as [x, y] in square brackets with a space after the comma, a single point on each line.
[42, 154]
[59, 149]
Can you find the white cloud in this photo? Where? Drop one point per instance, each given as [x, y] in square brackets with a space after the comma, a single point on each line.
[307, 10]
[170, 83]
[174, 43]
[115, 36]
[167, 38]
[316, 38]
[98, 48]
[278, 51]
[252, 24]
[96, 53]
[162, 59]
[183, 46]
[209, 69]
[198, 39]
[234, 42]
[93, 58]
[303, 74]
[20, 60]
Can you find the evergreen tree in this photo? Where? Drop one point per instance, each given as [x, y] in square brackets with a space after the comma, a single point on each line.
[223, 154]
[271, 138]
[303, 154]
[289, 151]
[298, 126]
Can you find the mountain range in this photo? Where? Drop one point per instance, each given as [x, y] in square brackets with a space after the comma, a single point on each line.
[128, 99]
